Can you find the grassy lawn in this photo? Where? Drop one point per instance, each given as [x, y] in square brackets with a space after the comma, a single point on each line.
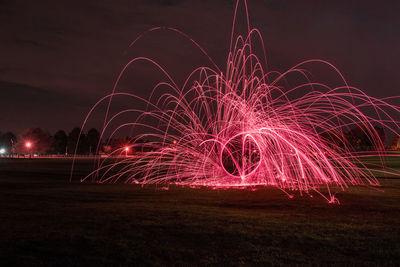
[46, 220]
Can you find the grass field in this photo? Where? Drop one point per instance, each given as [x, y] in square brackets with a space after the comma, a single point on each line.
[46, 220]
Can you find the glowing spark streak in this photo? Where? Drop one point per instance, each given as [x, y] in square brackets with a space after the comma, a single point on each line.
[242, 128]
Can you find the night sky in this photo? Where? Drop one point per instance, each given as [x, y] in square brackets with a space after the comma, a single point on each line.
[59, 57]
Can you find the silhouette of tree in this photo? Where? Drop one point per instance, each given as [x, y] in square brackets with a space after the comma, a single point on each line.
[73, 137]
[381, 134]
[362, 138]
[40, 141]
[60, 140]
[7, 141]
[83, 147]
[93, 137]
[395, 142]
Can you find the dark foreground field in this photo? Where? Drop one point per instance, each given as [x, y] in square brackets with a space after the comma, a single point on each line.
[46, 220]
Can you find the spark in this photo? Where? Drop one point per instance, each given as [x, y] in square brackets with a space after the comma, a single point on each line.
[246, 127]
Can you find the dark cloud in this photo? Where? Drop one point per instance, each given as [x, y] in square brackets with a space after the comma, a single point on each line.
[23, 106]
[165, 2]
[276, 4]
[34, 43]
[12, 91]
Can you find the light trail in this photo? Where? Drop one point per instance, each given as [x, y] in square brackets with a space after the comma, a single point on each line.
[244, 128]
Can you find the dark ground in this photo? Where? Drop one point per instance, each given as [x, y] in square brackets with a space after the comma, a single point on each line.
[46, 220]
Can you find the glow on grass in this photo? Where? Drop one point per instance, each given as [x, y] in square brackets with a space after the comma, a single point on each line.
[247, 127]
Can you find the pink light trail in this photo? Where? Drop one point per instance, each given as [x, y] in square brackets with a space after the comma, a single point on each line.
[247, 127]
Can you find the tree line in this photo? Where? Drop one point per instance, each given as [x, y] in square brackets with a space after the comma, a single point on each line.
[61, 143]
[41, 142]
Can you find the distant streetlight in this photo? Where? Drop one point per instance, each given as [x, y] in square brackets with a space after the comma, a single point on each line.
[2, 151]
[28, 145]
